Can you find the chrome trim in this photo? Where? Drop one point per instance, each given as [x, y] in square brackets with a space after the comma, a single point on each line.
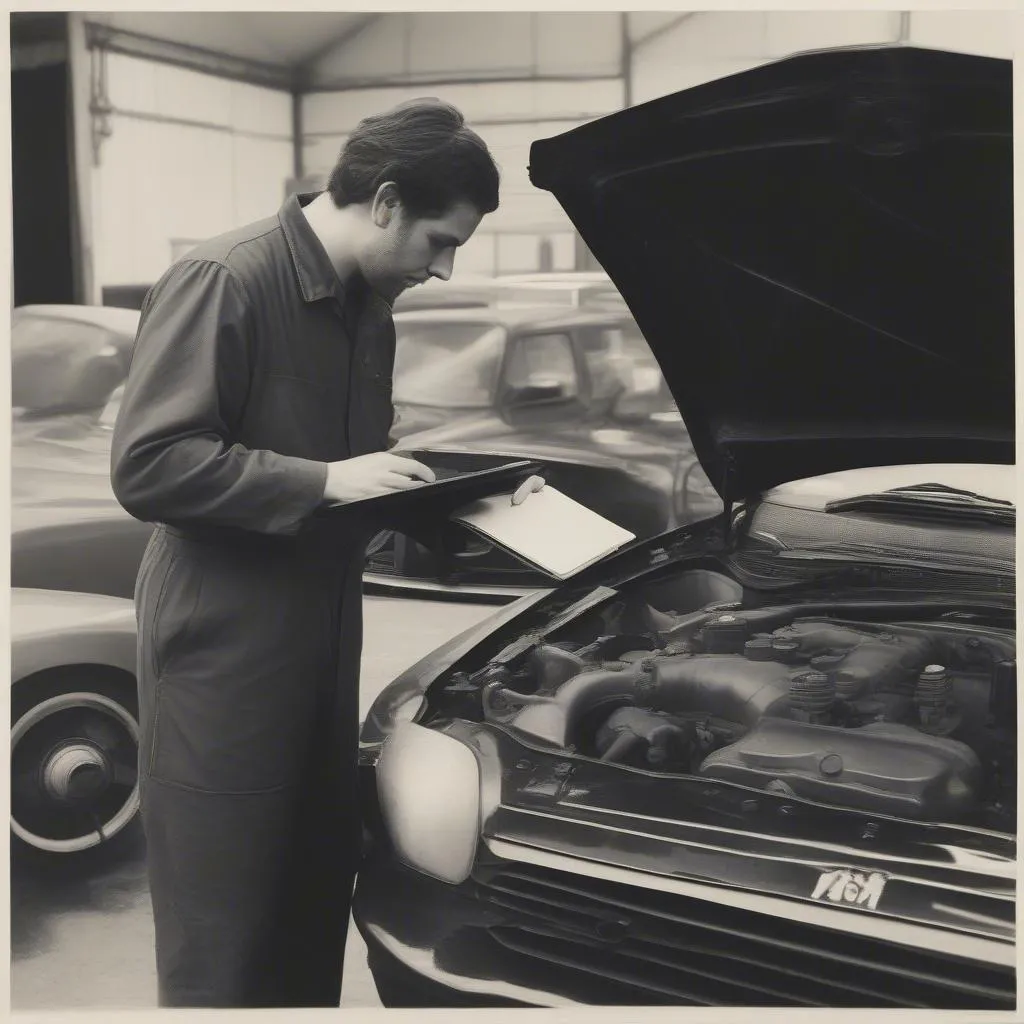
[422, 962]
[966, 862]
[401, 583]
[102, 832]
[881, 928]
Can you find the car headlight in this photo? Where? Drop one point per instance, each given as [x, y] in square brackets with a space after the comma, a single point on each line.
[408, 710]
[428, 785]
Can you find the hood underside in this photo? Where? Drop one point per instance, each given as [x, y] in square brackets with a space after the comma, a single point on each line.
[820, 254]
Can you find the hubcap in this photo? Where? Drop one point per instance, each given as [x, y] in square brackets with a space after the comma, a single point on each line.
[78, 771]
[74, 776]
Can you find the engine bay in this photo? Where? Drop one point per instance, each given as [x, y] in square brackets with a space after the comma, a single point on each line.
[913, 718]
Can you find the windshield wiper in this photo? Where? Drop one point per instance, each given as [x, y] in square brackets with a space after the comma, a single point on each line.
[880, 556]
[932, 501]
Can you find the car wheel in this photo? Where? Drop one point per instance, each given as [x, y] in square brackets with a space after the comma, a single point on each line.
[74, 758]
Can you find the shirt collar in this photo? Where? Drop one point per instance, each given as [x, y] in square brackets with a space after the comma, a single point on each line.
[317, 277]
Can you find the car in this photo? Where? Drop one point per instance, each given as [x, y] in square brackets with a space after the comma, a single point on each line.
[769, 758]
[613, 440]
[74, 721]
[575, 389]
[66, 360]
[67, 531]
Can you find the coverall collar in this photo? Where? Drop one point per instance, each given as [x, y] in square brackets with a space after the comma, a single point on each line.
[317, 277]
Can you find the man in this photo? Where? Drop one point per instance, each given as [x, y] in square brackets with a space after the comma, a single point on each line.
[260, 389]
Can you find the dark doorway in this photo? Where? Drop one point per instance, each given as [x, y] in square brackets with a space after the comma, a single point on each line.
[41, 184]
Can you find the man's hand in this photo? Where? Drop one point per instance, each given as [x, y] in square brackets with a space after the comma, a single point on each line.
[369, 476]
[525, 489]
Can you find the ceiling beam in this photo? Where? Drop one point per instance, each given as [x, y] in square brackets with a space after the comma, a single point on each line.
[433, 80]
[184, 55]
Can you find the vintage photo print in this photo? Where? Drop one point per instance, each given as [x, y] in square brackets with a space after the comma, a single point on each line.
[512, 509]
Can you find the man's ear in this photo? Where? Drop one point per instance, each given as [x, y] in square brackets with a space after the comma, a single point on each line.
[385, 204]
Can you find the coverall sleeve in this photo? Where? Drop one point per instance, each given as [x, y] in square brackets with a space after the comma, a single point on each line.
[172, 459]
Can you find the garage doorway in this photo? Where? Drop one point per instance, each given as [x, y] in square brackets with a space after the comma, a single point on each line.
[41, 163]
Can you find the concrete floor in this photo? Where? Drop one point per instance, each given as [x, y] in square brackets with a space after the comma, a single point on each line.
[81, 929]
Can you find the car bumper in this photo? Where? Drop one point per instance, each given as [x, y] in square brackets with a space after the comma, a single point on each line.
[516, 935]
[428, 945]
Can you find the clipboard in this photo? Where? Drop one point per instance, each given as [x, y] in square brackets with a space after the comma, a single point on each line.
[411, 510]
[549, 531]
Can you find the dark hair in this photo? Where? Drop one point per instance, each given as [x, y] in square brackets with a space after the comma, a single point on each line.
[424, 147]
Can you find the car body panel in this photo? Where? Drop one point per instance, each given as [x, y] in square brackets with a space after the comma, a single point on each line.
[500, 936]
[601, 879]
[54, 629]
[67, 358]
[998, 482]
[69, 532]
[716, 212]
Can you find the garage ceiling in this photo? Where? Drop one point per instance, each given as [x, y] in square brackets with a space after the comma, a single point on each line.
[274, 48]
[281, 39]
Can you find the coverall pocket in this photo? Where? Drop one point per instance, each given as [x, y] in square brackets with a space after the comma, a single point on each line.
[238, 677]
[154, 580]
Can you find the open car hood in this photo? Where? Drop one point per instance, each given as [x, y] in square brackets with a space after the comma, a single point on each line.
[820, 254]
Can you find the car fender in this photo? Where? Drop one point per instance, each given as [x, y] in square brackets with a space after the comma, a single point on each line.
[52, 629]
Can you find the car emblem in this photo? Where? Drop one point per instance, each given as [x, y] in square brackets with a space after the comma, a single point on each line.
[852, 888]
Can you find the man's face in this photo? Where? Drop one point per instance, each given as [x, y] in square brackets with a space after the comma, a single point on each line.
[409, 250]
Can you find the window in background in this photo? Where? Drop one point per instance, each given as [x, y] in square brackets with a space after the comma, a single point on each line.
[543, 359]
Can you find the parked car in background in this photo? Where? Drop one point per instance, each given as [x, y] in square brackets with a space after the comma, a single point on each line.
[67, 531]
[767, 759]
[575, 389]
[608, 433]
[74, 720]
[67, 359]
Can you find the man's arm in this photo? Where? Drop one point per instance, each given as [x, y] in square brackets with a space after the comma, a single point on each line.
[171, 459]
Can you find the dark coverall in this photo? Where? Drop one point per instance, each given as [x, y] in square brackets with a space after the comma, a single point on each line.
[253, 367]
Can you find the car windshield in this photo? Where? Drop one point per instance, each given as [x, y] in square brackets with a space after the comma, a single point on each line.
[59, 364]
[452, 365]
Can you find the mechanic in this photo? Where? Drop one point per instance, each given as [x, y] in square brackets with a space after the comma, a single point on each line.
[259, 391]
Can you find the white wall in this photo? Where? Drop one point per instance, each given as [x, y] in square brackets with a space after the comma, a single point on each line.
[582, 51]
[190, 155]
[989, 33]
[710, 45]
[475, 45]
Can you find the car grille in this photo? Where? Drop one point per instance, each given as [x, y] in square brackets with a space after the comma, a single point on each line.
[653, 947]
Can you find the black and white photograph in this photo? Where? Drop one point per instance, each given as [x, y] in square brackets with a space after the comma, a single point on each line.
[512, 509]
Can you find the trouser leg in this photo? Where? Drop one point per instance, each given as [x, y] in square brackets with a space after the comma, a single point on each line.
[216, 864]
[310, 930]
[313, 927]
[249, 847]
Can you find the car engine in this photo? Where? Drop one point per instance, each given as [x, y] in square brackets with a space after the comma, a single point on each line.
[914, 719]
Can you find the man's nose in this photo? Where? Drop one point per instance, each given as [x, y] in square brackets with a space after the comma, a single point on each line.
[443, 265]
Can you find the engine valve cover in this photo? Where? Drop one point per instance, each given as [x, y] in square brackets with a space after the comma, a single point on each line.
[883, 767]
